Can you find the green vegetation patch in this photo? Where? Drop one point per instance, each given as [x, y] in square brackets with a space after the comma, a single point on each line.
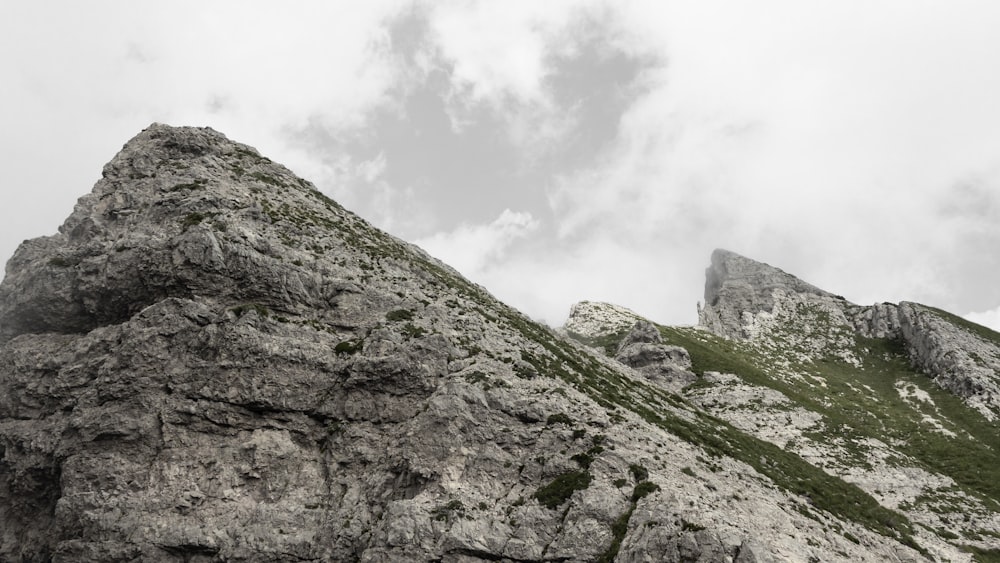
[608, 343]
[241, 310]
[620, 526]
[448, 511]
[979, 330]
[982, 555]
[561, 488]
[719, 438]
[195, 218]
[559, 418]
[348, 347]
[399, 315]
[63, 262]
[644, 488]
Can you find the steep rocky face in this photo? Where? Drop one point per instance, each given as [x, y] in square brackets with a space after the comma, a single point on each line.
[748, 300]
[736, 286]
[599, 319]
[211, 361]
[643, 350]
[961, 357]
[809, 381]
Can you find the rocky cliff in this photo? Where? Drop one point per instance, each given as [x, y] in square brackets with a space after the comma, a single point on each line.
[896, 399]
[746, 299]
[211, 361]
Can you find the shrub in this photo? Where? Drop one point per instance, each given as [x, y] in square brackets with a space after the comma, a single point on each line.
[561, 488]
[348, 347]
[192, 219]
[413, 331]
[558, 418]
[399, 315]
[642, 489]
[583, 459]
[639, 472]
[445, 512]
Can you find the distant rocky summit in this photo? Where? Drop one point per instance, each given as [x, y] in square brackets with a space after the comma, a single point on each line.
[745, 298]
[738, 288]
[212, 361]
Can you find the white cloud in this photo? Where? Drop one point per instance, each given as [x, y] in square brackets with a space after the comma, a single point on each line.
[853, 146]
[501, 55]
[81, 79]
[825, 141]
[475, 250]
[497, 50]
[989, 319]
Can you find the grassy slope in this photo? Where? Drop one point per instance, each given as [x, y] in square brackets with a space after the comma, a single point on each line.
[614, 392]
[719, 438]
[864, 403]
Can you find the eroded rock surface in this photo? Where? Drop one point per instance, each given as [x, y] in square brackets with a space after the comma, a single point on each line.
[736, 286]
[643, 350]
[211, 361]
[744, 299]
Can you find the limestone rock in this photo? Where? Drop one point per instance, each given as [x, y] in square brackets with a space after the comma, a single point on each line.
[594, 319]
[845, 388]
[212, 361]
[735, 285]
[748, 300]
[644, 351]
[961, 360]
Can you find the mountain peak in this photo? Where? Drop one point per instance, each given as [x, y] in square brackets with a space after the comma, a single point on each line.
[213, 361]
[178, 212]
[736, 285]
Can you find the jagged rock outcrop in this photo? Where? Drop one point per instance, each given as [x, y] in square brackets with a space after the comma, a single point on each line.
[745, 299]
[595, 319]
[644, 351]
[964, 361]
[736, 287]
[211, 361]
[845, 387]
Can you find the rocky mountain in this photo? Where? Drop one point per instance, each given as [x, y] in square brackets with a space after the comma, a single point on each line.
[897, 399]
[212, 361]
[748, 300]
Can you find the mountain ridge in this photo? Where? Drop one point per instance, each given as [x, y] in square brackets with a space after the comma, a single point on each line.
[741, 296]
[837, 383]
[212, 361]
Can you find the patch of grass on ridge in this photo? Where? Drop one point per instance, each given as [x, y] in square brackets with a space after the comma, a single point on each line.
[717, 437]
[607, 343]
[611, 390]
[973, 463]
[979, 330]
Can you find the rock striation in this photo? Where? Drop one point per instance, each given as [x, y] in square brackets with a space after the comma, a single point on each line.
[212, 361]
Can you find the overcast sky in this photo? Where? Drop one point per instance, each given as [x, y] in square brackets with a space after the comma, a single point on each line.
[558, 151]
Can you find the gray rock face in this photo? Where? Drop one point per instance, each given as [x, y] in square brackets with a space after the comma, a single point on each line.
[964, 362]
[211, 361]
[643, 350]
[735, 285]
[742, 295]
[599, 319]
